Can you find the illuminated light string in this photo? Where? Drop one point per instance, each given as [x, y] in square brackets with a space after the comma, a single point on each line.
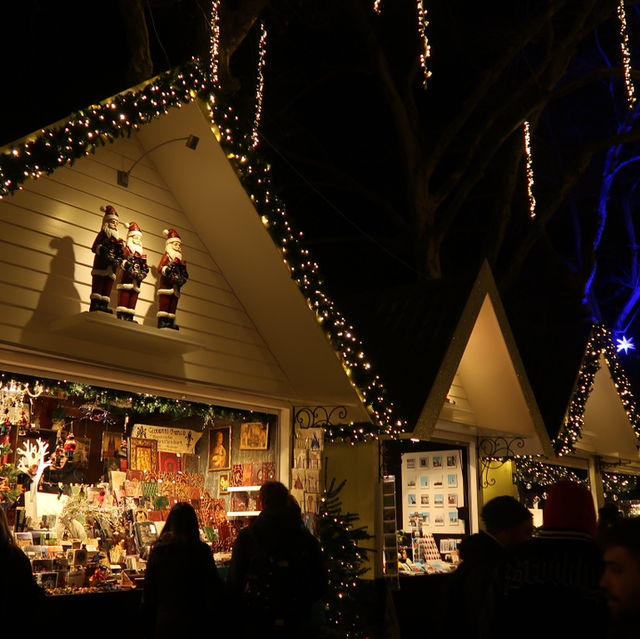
[626, 55]
[527, 151]
[617, 484]
[123, 114]
[528, 471]
[423, 23]
[600, 343]
[262, 58]
[376, 6]
[214, 48]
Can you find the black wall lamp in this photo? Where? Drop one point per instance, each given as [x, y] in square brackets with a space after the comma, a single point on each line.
[191, 142]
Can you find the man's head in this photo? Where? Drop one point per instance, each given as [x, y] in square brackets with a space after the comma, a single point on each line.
[621, 578]
[508, 521]
[274, 496]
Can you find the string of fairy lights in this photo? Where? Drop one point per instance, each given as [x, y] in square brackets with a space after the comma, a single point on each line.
[529, 165]
[425, 54]
[262, 59]
[626, 55]
[528, 472]
[101, 124]
[600, 343]
[214, 46]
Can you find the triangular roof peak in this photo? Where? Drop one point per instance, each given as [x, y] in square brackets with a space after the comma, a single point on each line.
[481, 387]
[602, 418]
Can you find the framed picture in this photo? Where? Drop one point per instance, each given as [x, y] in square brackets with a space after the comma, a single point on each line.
[438, 500]
[144, 455]
[424, 481]
[254, 436]
[169, 463]
[220, 448]
[424, 462]
[452, 461]
[452, 499]
[190, 463]
[452, 480]
[424, 500]
[81, 457]
[223, 484]
[111, 444]
[437, 461]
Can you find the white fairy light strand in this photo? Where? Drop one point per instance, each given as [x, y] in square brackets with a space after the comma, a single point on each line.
[214, 49]
[423, 23]
[527, 151]
[262, 56]
[626, 55]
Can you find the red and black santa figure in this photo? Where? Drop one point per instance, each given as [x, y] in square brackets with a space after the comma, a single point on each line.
[172, 272]
[109, 250]
[134, 270]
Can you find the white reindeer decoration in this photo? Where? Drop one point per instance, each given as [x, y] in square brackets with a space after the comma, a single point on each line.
[31, 457]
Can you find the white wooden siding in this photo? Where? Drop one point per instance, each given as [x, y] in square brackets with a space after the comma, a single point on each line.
[46, 233]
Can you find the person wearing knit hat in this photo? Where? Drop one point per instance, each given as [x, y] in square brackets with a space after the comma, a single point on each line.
[134, 270]
[109, 253]
[172, 276]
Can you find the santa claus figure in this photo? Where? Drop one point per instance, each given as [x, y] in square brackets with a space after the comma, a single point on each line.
[109, 250]
[172, 272]
[134, 270]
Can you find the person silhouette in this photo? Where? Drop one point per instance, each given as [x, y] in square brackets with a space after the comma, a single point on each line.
[19, 592]
[277, 572]
[182, 588]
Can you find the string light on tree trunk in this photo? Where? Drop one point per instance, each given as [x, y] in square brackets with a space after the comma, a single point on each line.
[423, 23]
[626, 56]
[527, 151]
[262, 56]
[214, 49]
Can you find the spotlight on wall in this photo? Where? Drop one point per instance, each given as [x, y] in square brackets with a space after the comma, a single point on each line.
[191, 142]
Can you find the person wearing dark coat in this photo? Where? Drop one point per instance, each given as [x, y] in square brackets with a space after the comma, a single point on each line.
[277, 573]
[557, 573]
[183, 592]
[473, 594]
[20, 596]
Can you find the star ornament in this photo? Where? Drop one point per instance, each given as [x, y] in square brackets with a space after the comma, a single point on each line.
[625, 344]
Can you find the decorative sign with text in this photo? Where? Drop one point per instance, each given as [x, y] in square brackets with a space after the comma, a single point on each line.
[170, 440]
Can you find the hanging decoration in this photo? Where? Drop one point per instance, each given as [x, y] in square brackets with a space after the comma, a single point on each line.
[120, 116]
[376, 6]
[600, 343]
[15, 402]
[615, 485]
[626, 55]
[423, 23]
[214, 48]
[527, 151]
[527, 472]
[262, 57]
[624, 344]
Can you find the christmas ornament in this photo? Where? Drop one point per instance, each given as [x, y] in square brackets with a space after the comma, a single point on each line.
[109, 253]
[70, 446]
[173, 275]
[134, 270]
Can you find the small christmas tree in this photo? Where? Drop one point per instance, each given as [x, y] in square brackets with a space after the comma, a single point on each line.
[344, 559]
[9, 489]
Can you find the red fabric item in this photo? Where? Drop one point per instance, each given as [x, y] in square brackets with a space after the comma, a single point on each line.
[569, 506]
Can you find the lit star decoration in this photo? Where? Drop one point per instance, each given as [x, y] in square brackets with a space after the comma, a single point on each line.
[423, 23]
[626, 56]
[262, 58]
[600, 343]
[214, 48]
[123, 114]
[527, 152]
[625, 344]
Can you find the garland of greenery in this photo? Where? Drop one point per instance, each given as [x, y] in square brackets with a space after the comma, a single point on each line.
[527, 472]
[616, 484]
[600, 342]
[117, 117]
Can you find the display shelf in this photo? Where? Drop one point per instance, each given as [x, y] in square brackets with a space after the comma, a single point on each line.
[243, 489]
[243, 513]
[389, 519]
[108, 329]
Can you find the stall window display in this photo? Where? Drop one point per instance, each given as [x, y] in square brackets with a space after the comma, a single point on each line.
[88, 477]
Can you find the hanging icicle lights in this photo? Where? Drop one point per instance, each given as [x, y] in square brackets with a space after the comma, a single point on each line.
[527, 151]
[214, 49]
[423, 23]
[262, 56]
[626, 55]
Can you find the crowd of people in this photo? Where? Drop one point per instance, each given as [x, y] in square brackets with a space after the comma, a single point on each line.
[577, 576]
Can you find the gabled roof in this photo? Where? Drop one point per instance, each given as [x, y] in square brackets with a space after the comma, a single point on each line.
[270, 271]
[430, 338]
[602, 418]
